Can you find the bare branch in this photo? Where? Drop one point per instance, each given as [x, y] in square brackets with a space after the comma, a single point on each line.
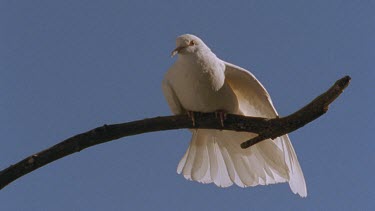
[313, 110]
[266, 128]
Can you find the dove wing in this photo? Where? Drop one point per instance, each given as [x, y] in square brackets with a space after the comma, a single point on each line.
[254, 100]
[171, 98]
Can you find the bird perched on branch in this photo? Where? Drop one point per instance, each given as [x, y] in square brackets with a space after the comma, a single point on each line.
[201, 82]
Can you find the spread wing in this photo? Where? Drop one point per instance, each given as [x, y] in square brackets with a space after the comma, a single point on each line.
[254, 100]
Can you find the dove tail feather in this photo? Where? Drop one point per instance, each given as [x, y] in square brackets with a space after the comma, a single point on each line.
[297, 180]
[216, 157]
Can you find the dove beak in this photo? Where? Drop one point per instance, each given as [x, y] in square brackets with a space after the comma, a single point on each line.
[177, 50]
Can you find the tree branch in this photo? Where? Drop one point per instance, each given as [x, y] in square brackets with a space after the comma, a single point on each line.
[265, 128]
[313, 110]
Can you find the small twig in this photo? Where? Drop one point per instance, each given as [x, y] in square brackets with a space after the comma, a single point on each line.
[266, 128]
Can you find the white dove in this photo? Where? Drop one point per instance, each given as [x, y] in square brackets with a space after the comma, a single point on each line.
[199, 81]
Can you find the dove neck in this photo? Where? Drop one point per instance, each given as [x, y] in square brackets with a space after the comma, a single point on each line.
[201, 54]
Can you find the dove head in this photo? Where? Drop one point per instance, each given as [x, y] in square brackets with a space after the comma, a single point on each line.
[189, 44]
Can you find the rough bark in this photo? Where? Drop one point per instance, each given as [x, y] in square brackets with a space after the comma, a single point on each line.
[265, 128]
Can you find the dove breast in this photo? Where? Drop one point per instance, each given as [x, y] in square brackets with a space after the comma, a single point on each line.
[199, 83]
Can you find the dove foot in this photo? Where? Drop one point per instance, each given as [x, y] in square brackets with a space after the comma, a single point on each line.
[191, 114]
[222, 115]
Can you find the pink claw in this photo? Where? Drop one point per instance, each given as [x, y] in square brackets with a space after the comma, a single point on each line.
[222, 115]
[191, 115]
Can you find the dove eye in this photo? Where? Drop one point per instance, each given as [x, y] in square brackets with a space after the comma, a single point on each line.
[192, 42]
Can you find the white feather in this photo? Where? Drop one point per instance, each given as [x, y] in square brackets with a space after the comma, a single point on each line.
[199, 81]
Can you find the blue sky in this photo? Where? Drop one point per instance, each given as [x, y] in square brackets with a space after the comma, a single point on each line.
[70, 66]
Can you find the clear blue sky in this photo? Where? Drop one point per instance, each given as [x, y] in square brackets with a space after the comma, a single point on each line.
[70, 66]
